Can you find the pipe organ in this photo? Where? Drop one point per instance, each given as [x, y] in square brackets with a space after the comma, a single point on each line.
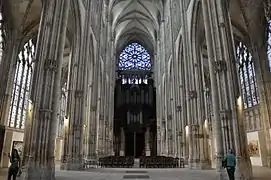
[135, 100]
[135, 114]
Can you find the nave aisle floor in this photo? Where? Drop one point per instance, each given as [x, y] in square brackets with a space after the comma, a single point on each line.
[260, 173]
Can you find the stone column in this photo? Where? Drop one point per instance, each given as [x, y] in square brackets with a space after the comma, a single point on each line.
[164, 132]
[225, 47]
[101, 119]
[177, 107]
[199, 116]
[262, 70]
[205, 161]
[194, 103]
[208, 18]
[158, 80]
[111, 101]
[65, 150]
[147, 142]
[159, 122]
[93, 111]
[7, 70]
[46, 91]
[98, 126]
[107, 63]
[122, 142]
[184, 85]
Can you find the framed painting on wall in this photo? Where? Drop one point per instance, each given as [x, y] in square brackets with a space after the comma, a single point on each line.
[253, 148]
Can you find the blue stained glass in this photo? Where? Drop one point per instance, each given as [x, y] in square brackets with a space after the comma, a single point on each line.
[269, 44]
[134, 57]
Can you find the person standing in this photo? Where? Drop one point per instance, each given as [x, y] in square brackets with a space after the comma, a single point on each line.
[15, 161]
[230, 163]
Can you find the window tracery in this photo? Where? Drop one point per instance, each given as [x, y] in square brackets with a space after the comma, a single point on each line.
[62, 110]
[21, 86]
[269, 44]
[2, 36]
[134, 64]
[247, 77]
[134, 57]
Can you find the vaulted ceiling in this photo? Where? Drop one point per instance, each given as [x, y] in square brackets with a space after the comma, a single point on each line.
[135, 21]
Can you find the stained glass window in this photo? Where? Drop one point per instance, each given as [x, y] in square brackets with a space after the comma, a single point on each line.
[269, 44]
[2, 36]
[247, 76]
[134, 57]
[134, 80]
[62, 111]
[21, 86]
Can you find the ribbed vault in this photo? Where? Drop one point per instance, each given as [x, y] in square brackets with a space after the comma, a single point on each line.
[135, 21]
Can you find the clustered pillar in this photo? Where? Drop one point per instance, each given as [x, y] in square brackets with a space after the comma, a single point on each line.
[196, 107]
[205, 97]
[40, 160]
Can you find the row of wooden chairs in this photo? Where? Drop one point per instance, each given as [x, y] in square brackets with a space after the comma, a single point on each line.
[117, 161]
[160, 162]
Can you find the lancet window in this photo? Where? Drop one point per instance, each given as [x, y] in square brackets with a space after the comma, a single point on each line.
[62, 111]
[247, 77]
[21, 86]
[2, 36]
[269, 44]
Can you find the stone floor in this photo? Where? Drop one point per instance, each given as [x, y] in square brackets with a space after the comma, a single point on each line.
[260, 173]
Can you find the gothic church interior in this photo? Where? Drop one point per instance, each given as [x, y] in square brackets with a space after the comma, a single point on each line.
[148, 81]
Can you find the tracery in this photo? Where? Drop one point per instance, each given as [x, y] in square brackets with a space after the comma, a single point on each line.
[2, 36]
[134, 57]
[21, 86]
[134, 64]
[269, 44]
[247, 77]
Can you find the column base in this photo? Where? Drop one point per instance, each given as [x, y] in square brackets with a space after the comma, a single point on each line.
[148, 153]
[243, 169]
[122, 153]
[221, 174]
[205, 164]
[198, 164]
[73, 166]
[193, 164]
[38, 173]
[269, 161]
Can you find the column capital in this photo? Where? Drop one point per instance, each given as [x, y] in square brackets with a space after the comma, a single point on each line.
[220, 66]
[93, 108]
[225, 114]
[101, 117]
[194, 127]
[78, 93]
[178, 108]
[192, 94]
[50, 64]
[46, 113]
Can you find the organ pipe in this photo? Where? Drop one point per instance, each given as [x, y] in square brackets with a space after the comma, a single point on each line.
[142, 96]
